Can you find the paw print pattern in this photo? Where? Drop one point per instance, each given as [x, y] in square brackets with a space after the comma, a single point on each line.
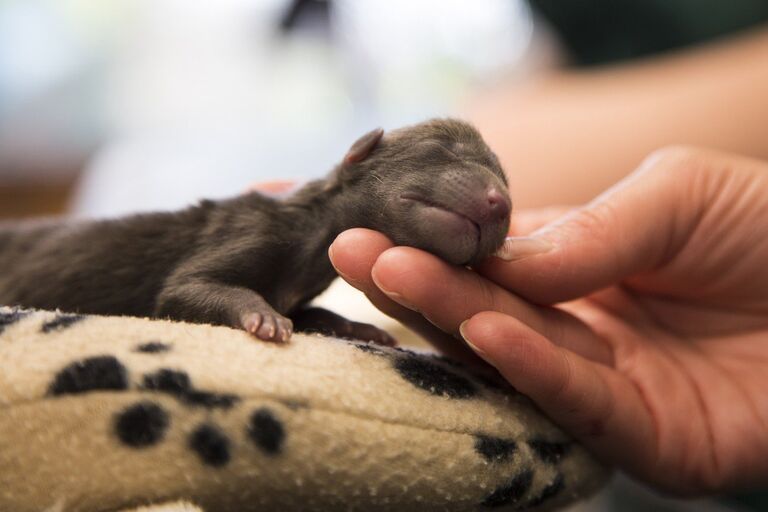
[512, 492]
[153, 347]
[91, 374]
[211, 445]
[142, 424]
[549, 451]
[61, 321]
[266, 431]
[178, 384]
[494, 449]
[10, 317]
[432, 374]
[148, 422]
[434, 378]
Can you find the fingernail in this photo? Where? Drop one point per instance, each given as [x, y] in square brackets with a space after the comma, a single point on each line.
[516, 248]
[333, 264]
[462, 331]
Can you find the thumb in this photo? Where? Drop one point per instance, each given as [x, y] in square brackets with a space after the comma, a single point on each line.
[633, 227]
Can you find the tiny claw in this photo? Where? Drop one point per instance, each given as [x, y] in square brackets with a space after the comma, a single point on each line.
[275, 328]
[251, 322]
[285, 329]
[267, 329]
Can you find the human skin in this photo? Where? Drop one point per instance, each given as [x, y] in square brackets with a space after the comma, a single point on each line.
[569, 134]
[638, 323]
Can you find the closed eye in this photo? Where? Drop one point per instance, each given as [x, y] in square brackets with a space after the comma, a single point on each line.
[438, 150]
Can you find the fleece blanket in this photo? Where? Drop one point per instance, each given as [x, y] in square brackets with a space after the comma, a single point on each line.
[116, 413]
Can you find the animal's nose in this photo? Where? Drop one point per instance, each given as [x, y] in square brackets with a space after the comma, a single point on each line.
[498, 204]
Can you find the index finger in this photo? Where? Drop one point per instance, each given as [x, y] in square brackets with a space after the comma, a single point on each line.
[353, 255]
[447, 295]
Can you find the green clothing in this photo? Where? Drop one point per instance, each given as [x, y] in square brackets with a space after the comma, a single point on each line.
[602, 31]
[757, 501]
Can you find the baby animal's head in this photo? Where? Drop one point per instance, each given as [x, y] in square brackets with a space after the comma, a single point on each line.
[434, 185]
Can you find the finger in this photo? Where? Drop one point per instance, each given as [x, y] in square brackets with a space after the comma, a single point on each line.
[634, 227]
[353, 255]
[524, 222]
[594, 403]
[447, 295]
[275, 188]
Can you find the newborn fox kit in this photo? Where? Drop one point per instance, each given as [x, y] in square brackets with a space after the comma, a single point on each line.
[254, 262]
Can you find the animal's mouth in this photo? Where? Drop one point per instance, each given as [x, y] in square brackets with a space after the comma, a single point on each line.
[452, 221]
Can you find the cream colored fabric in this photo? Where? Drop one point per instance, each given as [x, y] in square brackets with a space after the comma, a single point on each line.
[178, 506]
[108, 413]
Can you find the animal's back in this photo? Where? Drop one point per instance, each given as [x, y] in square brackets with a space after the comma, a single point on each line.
[108, 266]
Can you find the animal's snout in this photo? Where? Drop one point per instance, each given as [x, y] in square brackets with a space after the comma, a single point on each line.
[498, 204]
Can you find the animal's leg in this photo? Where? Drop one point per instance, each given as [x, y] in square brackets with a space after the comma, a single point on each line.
[326, 322]
[210, 302]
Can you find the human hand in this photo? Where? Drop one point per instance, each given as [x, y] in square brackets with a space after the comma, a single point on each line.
[639, 323]
[275, 188]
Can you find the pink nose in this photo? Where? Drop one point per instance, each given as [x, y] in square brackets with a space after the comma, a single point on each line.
[498, 204]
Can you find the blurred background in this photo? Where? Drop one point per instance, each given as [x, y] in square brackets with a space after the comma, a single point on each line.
[110, 107]
[117, 106]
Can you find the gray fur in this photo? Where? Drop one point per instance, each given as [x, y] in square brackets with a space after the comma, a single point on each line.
[248, 261]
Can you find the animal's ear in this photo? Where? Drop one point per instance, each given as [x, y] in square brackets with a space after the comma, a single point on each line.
[363, 146]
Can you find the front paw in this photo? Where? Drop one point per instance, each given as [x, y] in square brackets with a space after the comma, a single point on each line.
[267, 326]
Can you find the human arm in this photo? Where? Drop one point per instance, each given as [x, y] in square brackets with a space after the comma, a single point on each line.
[566, 135]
